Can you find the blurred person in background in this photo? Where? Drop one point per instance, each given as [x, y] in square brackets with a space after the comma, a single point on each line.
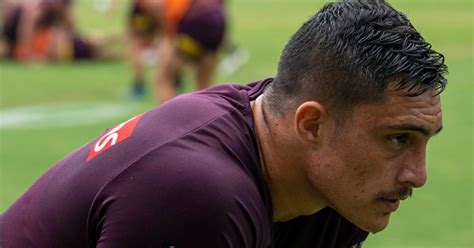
[144, 26]
[193, 31]
[27, 26]
[187, 32]
[43, 31]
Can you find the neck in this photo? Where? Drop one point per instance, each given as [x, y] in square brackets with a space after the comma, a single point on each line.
[283, 164]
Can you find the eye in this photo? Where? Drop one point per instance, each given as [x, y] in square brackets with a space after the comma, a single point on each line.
[399, 139]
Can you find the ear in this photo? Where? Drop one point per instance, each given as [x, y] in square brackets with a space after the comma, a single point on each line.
[309, 116]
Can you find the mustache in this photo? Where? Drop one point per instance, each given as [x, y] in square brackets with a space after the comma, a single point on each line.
[401, 192]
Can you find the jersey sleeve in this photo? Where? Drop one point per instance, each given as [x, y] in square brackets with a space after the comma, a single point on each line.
[180, 204]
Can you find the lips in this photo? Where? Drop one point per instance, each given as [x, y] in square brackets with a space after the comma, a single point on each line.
[403, 197]
[391, 204]
[391, 201]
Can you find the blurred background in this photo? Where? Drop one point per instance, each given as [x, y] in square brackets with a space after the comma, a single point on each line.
[49, 109]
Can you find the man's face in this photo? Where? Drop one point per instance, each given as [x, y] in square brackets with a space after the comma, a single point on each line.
[373, 160]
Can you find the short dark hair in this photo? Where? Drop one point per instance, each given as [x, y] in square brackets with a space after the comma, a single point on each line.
[348, 53]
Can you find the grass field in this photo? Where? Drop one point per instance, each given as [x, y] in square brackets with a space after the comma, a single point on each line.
[439, 215]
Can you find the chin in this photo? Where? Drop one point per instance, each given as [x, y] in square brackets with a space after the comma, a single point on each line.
[376, 225]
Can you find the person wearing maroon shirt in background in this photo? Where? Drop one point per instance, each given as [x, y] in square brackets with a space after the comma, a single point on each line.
[43, 30]
[24, 20]
[193, 32]
[316, 157]
[186, 32]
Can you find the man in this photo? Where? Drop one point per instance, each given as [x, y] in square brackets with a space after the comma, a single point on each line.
[317, 157]
[42, 30]
[143, 31]
[193, 32]
[26, 23]
[187, 31]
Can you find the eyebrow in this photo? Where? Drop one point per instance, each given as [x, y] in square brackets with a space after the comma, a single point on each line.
[413, 127]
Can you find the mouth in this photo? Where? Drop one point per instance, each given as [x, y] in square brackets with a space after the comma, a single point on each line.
[390, 204]
[391, 201]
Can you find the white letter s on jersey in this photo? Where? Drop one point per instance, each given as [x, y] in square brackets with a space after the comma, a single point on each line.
[111, 136]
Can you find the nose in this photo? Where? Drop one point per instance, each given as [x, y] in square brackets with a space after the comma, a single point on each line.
[414, 173]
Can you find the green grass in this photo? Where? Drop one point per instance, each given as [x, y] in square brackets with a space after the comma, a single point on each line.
[439, 215]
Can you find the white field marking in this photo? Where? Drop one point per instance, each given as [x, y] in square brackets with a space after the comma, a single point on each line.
[233, 61]
[63, 115]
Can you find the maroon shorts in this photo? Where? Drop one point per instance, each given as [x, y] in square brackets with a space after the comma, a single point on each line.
[207, 27]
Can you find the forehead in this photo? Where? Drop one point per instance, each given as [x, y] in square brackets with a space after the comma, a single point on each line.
[423, 111]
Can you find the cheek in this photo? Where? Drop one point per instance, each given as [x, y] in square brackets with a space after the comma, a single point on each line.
[360, 176]
[357, 173]
[350, 176]
[367, 173]
[341, 177]
[352, 169]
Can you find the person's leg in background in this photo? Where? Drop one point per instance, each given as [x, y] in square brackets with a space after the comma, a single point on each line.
[167, 70]
[137, 46]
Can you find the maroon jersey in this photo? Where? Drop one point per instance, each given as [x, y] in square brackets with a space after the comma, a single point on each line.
[186, 174]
